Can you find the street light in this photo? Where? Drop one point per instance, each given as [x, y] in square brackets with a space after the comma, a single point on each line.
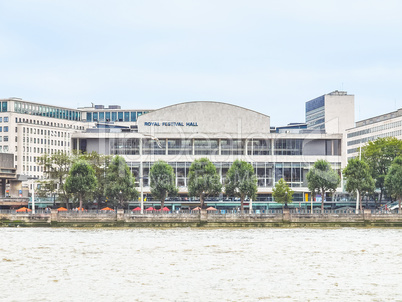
[33, 192]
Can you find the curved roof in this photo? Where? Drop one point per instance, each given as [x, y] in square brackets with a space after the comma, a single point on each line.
[204, 117]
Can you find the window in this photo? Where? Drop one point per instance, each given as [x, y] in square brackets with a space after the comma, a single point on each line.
[6, 119]
[1, 119]
[107, 116]
[114, 116]
[5, 139]
[4, 107]
[133, 116]
[206, 147]
[126, 116]
[5, 129]
[120, 116]
[1, 129]
[101, 116]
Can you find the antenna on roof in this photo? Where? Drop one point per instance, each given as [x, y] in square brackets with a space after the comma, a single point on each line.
[92, 105]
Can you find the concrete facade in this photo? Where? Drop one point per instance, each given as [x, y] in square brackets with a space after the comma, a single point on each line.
[385, 125]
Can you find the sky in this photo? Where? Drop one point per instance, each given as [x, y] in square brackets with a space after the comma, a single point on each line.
[269, 56]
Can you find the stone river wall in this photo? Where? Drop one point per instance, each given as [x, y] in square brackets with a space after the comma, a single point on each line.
[198, 219]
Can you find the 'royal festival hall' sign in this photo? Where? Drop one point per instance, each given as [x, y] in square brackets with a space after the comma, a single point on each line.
[170, 124]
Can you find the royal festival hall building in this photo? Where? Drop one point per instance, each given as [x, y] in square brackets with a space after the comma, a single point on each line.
[180, 133]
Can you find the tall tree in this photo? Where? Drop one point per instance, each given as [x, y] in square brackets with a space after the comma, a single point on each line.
[55, 168]
[322, 178]
[379, 155]
[358, 178]
[241, 181]
[203, 180]
[120, 182]
[282, 193]
[393, 180]
[81, 180]
[163, 181]
[100, 163]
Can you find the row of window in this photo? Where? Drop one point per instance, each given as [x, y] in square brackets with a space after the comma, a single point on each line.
[375, 129]
[4, 149]
[374, 137]
[131, 146]
[5, 119]
[45, 123]
[44, 141]
[267, 173]
[3, 138]
[114, 116]
[45, 132]
[47, 111]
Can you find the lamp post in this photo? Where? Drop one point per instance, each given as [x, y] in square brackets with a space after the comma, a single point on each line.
[33, 192]
[119, 199]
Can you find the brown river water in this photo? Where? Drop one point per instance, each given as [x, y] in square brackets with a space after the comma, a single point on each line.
[189, 264]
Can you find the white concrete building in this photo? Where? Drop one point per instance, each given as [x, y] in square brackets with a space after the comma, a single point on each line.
[385, 125]
[332, 113]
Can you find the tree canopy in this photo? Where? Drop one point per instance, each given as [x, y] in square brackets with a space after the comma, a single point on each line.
[81, 180]
[379, 155]
[241, 181]
[100, 163]
[358, 178]
[203, 180]
[322, 178]
[120, 182]
[393, 180]
[55, 168]
[282, 193]
[162, 181]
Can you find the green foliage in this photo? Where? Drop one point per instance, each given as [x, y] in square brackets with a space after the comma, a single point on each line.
[99, 163]
[55, 168]
[358, 178]
[322, 178]
[282, 193]
[81, 180]
[162, 181]
[393, 180]
[203, 179]
[379, 155]
[120, 183]
[241, 181]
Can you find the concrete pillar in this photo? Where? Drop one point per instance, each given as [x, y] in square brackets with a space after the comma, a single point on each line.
[3, 188]
[15, 186]
[53, 215]
[366, 214]
[120, 215]
[286, 214]
[203, 215]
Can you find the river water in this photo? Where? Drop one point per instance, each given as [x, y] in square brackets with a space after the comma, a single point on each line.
[192, 264]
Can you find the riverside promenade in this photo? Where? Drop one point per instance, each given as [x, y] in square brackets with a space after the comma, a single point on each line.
[203, 218]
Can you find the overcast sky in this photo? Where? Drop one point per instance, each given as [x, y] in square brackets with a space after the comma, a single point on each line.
[269, 56]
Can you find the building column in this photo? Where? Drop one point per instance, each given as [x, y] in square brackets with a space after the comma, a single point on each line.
[3, 187]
